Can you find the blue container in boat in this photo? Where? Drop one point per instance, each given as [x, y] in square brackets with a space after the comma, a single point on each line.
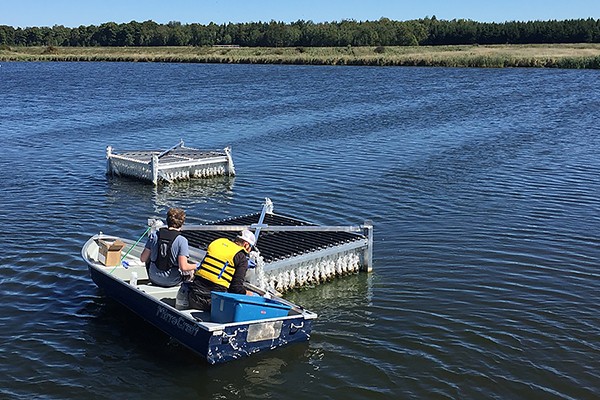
[231, 307]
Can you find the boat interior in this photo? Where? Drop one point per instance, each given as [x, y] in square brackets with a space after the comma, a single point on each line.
[135, 268]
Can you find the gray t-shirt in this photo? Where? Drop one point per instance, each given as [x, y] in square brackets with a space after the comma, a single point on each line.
[171, 277]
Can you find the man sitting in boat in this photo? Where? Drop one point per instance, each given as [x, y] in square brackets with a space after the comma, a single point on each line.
[168, 252]
[223, 269]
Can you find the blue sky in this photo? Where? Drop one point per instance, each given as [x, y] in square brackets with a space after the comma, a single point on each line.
[73, 13]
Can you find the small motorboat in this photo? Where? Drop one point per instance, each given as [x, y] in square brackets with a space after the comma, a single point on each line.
[237, 326]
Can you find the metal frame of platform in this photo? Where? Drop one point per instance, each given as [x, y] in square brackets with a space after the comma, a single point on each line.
[176, 163]
[291, 253]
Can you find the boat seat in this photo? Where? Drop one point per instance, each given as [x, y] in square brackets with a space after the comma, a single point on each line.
[153, 289]
[125, 273]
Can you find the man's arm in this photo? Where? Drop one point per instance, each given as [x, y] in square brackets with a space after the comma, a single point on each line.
[240, 260]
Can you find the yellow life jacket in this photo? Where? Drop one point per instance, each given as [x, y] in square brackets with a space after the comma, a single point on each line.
[218, 266]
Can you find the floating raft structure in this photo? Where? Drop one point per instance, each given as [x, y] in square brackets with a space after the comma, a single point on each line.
[177, 163]
[291, 253]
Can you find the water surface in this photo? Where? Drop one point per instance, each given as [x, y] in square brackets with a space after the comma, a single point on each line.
[482, 186]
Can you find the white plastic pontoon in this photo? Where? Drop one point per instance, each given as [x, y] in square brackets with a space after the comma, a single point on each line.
[176, 163]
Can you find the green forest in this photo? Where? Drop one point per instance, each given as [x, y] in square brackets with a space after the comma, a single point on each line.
[383, 32]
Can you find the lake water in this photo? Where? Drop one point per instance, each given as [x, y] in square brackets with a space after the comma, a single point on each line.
[483, 187]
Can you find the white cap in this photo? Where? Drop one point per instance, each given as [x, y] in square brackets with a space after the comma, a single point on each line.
[248, 237]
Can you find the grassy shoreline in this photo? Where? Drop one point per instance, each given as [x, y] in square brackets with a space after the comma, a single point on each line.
[582, 56]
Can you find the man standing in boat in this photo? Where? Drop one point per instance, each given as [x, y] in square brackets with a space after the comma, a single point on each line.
[168, 252]
[223, 269]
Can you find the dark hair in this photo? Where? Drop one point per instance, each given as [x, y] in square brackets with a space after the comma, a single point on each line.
[175, 217]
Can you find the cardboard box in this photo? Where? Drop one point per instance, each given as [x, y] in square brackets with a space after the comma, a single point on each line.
[109, 252]
[231, 307]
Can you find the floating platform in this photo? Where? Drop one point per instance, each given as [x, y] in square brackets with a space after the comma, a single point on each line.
[177, 163]
[290, 252]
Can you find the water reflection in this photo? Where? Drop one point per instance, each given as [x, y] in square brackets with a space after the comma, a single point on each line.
[194, 191]
[163, 195]
[338, 295]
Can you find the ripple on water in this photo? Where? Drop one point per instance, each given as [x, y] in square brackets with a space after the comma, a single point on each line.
[485, 281]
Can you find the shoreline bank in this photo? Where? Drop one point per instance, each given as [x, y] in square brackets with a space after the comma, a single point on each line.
[571, 56]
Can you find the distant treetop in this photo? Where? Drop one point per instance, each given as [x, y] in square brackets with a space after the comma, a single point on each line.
[384, 32]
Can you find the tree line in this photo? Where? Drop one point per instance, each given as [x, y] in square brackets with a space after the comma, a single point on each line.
[383, 32]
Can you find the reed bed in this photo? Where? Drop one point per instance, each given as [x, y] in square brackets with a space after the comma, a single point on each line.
[584, 56]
